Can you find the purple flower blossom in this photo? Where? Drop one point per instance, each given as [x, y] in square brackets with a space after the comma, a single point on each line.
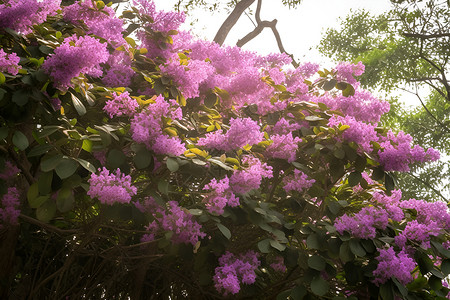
[346, 71]
[21, 15]
[278, 265]
[147, 127]
[9, 212]
[297, 182]
[111, 188]
[245, 180]
[76, 55]
[100, 22]
[120, 72]
[242, 132]
[232, 270]
[364, 223]
[9, 172]
[284, 146]
[220, 195]
[359, 132]
[397, 152]
[9, 63]
[121, 104]
[395, 265]
[173, 218]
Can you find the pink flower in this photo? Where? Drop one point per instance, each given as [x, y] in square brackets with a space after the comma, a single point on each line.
[395, 265]
[121, 104]
[245, 180]
[220, 195]
[75, 56]
[111, 188]
[297, 182]
[9, 213]
[9, 63]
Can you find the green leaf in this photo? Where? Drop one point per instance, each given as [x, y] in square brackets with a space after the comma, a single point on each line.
[387, 291]
[87, 145]
[329, 85]
[143, 159]
[211, 100]
[38, 201]
[65, 200]
[441, 249]
[66, 167]
[445, 267]
[20, 97]
[2, 93]
[225, 231]
[389, 183]
[163, 187]
[435, 282]
[20, 140]
[172, 164]
[33, 192]
[348, 91]
[87, 165]
[298, 293]
[39, 150]
[45, 183]
[49, 162]
[81, 110]
[354, 178]
[195, 211]
[48, 130]
[313, 241]
[319, 286]
[115, 158]
[277, 245]
[46, 211]
[317, 262]
[264, 246]
[345, 253]
[2, 78]
[356, 248]
[284, 295]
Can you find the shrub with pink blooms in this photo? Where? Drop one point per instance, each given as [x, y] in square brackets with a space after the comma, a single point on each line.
[140, 162]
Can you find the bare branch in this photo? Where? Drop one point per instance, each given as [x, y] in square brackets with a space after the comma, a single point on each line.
[426, 36]
[231, 20]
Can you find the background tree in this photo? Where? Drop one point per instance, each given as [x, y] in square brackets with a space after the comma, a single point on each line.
[406, 49]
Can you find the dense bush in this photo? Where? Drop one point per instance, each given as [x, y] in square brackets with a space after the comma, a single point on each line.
[139, 162]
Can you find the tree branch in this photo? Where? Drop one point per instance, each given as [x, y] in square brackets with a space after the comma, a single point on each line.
[259, 28]
[426, 36]
[429, 186]
[223, 31]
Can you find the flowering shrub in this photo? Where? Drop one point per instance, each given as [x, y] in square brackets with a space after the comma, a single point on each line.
[137, 161]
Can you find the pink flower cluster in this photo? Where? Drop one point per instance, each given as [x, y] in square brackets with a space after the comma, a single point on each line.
[284, 146]
[359, 132]
[432, 219]
[147, 127]
[9, 63]
[346, 71]
[9, 172]
[121, 104]
[245, 180]
[391, 264]
[76, 55]
[242, 132]
[9, 213]
[362, 106]
[233, 270]
[364, 223]
[100, 22]
[21, 15]
[119, 72]
[171, 219]
[299, 182]
[278, 265]
[220, 195]
[398, 152]
[111, 188]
